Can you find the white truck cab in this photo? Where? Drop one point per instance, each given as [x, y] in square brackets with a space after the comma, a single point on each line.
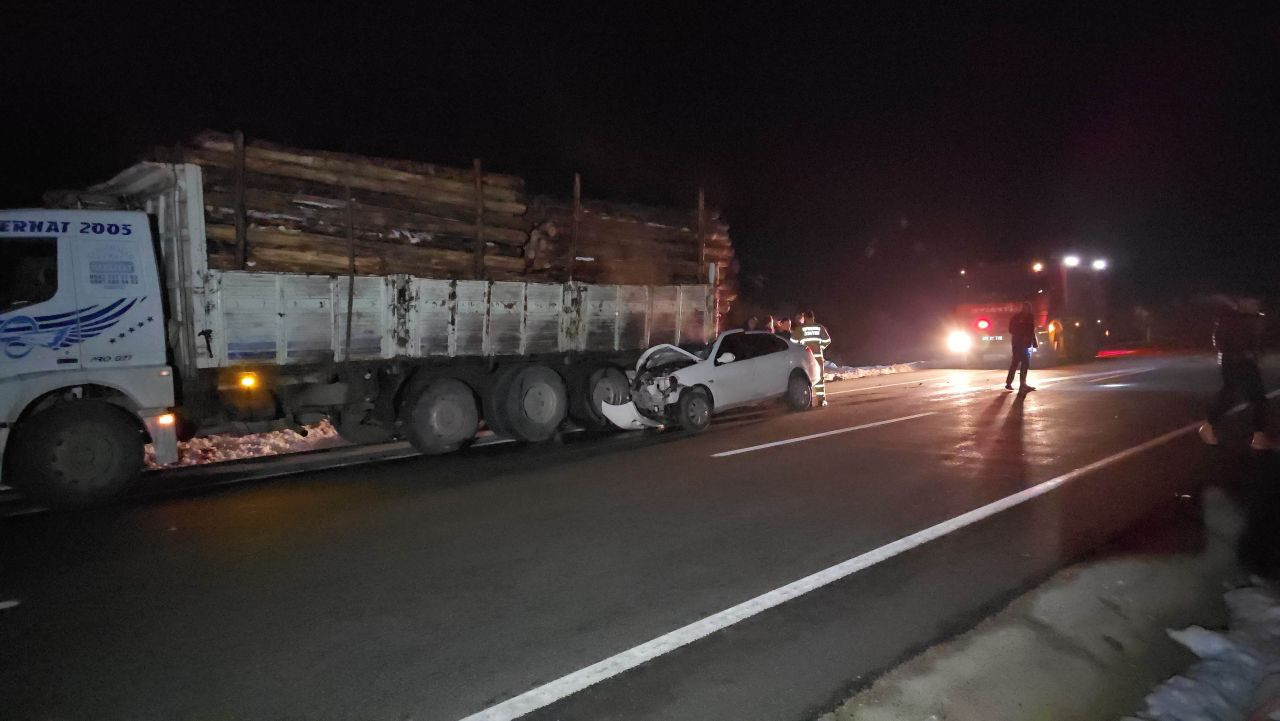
[84, 376]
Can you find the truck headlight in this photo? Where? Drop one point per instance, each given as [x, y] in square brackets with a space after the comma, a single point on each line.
[959, 341]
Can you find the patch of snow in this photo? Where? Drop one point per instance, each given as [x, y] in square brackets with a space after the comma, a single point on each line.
[222, 447]
[835, 372]
[1237, 675]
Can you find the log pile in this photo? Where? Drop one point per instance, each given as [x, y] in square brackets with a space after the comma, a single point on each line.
[275, 208]
[627, 244]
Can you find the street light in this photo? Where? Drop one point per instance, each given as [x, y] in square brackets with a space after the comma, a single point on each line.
[1099, 264]
[1071, 261]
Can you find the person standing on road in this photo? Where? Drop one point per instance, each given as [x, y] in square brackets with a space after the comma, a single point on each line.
[1237, 336]
[814, 336]
[1022, 334]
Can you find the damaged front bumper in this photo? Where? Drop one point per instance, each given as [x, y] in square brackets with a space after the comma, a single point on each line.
[627, 416]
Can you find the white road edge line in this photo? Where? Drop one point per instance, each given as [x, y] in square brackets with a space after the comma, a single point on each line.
[564, 686]
[824, 434]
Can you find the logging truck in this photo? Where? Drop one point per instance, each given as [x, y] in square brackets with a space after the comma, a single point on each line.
[122, 327]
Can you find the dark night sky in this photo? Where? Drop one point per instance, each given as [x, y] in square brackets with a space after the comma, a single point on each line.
[850, 150]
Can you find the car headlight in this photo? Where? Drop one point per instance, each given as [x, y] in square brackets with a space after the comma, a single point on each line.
[959, 341]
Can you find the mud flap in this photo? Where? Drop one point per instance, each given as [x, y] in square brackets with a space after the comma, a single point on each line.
[626, 416]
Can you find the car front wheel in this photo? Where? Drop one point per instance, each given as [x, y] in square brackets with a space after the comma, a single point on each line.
[694, 410]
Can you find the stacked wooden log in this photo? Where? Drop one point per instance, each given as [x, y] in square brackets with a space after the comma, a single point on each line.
[611, 243]
[275, 208]
[310, 211]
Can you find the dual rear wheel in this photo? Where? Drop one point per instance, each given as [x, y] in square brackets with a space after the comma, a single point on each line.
[525, 402]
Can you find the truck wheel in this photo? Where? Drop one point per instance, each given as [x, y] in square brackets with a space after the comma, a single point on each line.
[529, 403]
[694, 410]
[76, 454]
[442, 417]
[494, 401]
[799, 392]
[605, 384]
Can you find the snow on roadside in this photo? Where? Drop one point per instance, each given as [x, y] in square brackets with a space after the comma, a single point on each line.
[1237, 675]
[218, 448]
[835, 372]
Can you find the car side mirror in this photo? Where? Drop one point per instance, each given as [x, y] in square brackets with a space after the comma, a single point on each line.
[726, 358]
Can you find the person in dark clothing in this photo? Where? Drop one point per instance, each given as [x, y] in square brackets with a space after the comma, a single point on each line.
[1237, 336]
[782, 328]
[1022, 332]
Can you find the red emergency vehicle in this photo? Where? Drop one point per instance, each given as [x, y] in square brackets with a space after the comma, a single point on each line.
[1067, 296]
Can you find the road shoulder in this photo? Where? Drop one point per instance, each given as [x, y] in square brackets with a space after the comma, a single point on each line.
[1088, 643]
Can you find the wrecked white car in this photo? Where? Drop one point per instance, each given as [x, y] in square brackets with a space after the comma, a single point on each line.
[673, 386]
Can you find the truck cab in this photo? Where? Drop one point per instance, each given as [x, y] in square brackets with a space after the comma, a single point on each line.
[84, 376]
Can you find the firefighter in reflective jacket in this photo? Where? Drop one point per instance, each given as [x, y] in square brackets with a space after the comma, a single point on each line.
[814, 336]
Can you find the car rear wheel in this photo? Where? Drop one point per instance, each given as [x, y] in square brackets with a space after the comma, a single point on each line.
[694, 410]
[799, 392]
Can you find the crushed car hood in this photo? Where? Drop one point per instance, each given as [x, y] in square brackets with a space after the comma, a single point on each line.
[661, 355]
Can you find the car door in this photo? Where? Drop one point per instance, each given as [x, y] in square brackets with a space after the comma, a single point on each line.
[772, 364]
[731, 382]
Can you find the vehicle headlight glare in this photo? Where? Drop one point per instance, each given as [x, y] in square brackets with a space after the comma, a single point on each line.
[959, 341]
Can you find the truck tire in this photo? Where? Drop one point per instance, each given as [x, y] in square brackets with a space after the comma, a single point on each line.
[442, 417]
[799, 392]
[528, 403]
[693, 410]
[604, 384]
[76, 454]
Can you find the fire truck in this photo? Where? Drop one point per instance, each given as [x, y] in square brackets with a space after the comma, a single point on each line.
[1067, 296]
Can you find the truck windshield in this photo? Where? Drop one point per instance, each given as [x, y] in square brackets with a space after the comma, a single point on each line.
[28, 272]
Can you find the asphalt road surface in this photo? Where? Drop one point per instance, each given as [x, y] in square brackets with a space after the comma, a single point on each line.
[759, 570]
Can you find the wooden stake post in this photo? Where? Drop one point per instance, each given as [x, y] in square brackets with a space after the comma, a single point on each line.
[242, 229]
[479, 173]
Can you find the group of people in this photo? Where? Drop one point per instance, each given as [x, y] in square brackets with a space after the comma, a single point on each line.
[785, 327]
[805, 330]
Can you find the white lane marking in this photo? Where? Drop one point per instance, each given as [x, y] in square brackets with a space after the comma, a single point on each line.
[824, 434]
[1043, 382]
[884, 385]
[1122, 374]
[570, 684]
